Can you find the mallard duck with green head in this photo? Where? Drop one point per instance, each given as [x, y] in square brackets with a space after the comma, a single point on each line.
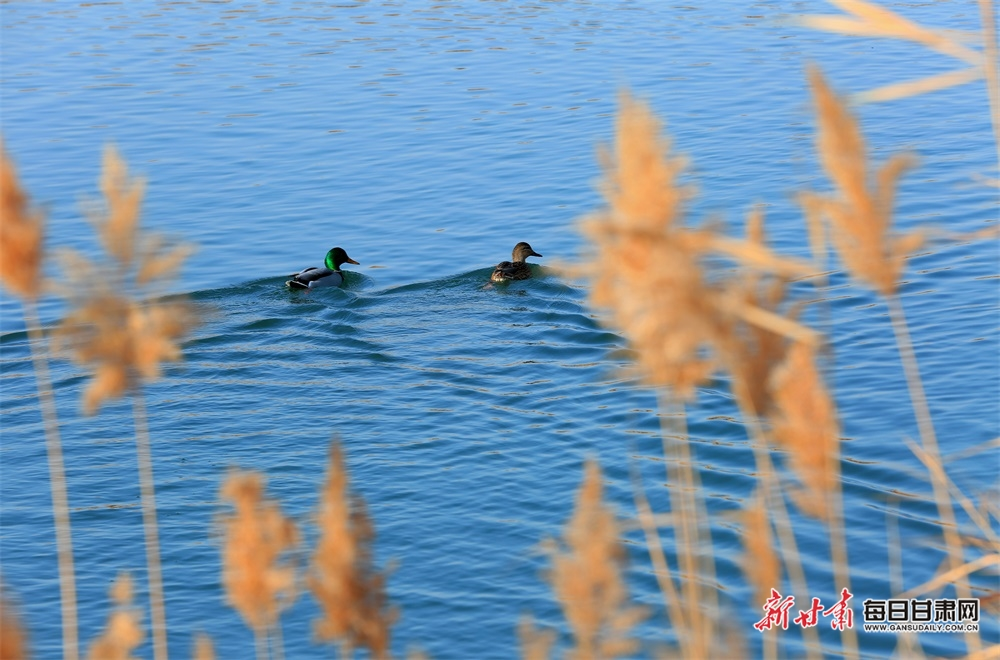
[517, 268]
[330, 275]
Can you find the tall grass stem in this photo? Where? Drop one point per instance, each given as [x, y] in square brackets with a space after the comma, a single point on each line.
[661, 566]
[775, 501]
[147, 488]
[928, 439]
[57, 481]
[690, 528]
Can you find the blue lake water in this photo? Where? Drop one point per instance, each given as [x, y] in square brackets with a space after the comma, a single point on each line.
[427, 139]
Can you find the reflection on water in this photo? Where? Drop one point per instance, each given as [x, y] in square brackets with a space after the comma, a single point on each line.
[429, 139]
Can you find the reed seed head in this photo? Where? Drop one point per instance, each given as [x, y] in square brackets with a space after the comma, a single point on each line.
[122, 634]
[860, 214]
[752, 351]
[535, 644]
[644, 265]
[805, 423]
[13, 639]
[258, 584]
[118, 325]
[22, 232]
[652, 273]
[343, 579]
[123, 340]
[587, 580]
[119, 226]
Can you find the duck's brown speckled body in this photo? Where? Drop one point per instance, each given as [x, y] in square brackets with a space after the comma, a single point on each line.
[517, 268]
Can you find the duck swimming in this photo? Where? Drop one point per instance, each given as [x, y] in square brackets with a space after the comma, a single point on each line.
[331, 275]
[517, 268]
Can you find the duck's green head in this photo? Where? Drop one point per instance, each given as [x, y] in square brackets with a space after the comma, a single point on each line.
[338, 256]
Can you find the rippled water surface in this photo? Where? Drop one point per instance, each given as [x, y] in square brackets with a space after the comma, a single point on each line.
[427, 139]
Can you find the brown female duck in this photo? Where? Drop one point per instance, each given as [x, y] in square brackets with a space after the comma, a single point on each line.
[517, 268]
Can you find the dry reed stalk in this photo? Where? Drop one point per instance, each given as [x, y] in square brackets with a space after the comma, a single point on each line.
[805, 422]
[991, 540]
[122, 331]
[684, 322]
[13, 639]
[770, 490]
[926, 85]
[256, 536]
[752, 354]
[946, 578]
[696, 567]
[871, 20]
[22, 233]
[760, 562]
[122, 634]
[587, 577]
[907, 644]
[661, 565]
[860, 220]
[151, 528]
[343, 579]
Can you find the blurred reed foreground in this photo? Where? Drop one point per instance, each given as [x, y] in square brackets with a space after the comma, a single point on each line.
[693, 302]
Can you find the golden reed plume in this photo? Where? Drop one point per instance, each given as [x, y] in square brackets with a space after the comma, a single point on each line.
[861, 213]
[123, 340]
[644, 267]
[860, 216]
[342, 578]
[21, 253]
[122, 330]
[535, 644]
[587, 580]
[117, 326]
[22, 231]
[805, 423]
[122, 634]
[13, 639]
[673, 292]
[752, 351]
[258, 585]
